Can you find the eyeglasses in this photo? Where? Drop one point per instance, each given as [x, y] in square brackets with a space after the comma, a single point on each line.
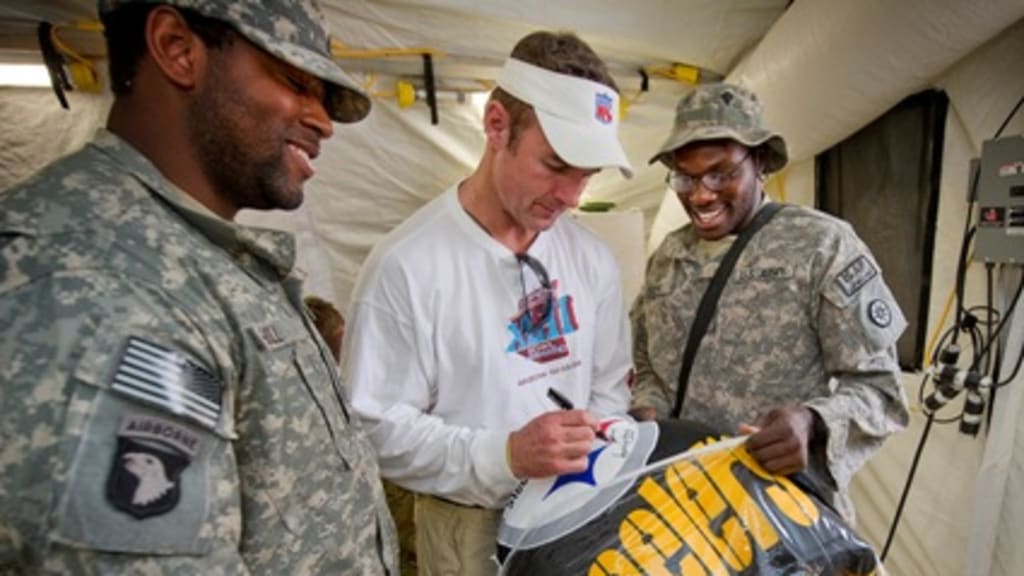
[531, 300]
[715, 181]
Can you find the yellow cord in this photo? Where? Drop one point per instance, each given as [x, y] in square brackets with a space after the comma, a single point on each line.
[83, 72]
[339, 50]
[932, 341]
[779, 182]
[678, 72]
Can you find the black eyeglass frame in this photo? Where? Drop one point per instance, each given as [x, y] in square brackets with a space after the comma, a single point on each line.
[724, 177]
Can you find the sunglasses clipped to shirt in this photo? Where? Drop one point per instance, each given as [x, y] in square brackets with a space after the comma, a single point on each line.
[529, 262]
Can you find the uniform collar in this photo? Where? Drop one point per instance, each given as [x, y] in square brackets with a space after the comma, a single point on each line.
[684, 244]
[275, 247]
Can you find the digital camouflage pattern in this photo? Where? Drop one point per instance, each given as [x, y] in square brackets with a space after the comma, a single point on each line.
[805, 304]
[98, 249]
[723, 111]
[293, 30]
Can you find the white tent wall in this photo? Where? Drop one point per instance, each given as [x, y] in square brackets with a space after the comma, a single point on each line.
[936, 527]
[827, 68]
[998, 513]
[36, 130]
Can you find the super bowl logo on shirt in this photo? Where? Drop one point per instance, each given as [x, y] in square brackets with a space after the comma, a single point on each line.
[603, 108]
[539, 326]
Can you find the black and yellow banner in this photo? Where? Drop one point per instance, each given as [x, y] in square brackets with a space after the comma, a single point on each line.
[716, 513]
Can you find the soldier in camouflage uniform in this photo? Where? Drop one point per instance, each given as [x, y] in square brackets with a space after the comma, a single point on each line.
[800, 352]
[331, 325]
[167, 407]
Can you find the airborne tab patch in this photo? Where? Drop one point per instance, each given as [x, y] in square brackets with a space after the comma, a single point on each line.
[856, 275]
[145, 476]
[165, 379]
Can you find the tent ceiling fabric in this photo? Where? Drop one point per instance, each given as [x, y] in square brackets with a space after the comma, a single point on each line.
[707, 33]
[711, 34]
[829, 67]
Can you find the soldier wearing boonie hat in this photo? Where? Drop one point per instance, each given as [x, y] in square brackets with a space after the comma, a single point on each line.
[723, 112]
[168, 406]
[805, 305]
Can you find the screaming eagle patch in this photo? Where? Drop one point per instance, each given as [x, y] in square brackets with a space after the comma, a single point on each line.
[145, 476]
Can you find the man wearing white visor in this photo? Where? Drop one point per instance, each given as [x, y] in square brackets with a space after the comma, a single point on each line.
[467, 314]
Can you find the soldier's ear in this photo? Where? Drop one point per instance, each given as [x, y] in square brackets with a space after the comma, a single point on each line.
[174, 48]
[759, 163]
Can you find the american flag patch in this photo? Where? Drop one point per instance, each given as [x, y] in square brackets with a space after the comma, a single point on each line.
[163, 378]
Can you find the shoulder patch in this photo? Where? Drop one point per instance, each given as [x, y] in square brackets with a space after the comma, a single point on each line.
[855, 275]
[145, 476]
[879, 313]
[167, 380]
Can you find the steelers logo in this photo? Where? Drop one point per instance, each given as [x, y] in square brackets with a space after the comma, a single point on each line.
[879, 313]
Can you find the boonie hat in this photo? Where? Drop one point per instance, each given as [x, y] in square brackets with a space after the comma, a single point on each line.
[579, 117]
[294, 31]
[723, 111]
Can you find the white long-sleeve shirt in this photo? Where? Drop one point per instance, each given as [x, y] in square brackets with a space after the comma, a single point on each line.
[438, 365]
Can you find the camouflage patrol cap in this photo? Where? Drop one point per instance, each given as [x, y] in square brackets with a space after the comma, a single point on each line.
[723, 111]
[293, 30]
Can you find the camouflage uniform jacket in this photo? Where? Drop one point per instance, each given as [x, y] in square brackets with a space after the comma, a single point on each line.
[165, 407]
[804, 319]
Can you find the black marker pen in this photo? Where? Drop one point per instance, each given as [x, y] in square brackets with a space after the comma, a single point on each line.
[566, 404]
[563, 402]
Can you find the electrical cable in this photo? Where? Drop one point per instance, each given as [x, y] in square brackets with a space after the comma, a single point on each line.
[976, 381]
[906, 487]
[996, 374]
[1002, 323]
[989, 299]
[953, 333]
[961, 265]
[1016, 370]
[1009, 117]
[992, 314]
[992, 393]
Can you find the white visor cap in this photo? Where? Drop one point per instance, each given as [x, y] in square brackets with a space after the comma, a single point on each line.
[579, 117]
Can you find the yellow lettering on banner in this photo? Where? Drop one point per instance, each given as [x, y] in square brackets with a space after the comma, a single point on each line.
[690, 566]
[682, 522]
[718, 465]
[684, 479]
[790, 500]
[641, 526]
[613, 561]
[703, 505]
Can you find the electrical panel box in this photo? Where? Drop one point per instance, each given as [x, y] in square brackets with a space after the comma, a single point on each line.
[1000, 234]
